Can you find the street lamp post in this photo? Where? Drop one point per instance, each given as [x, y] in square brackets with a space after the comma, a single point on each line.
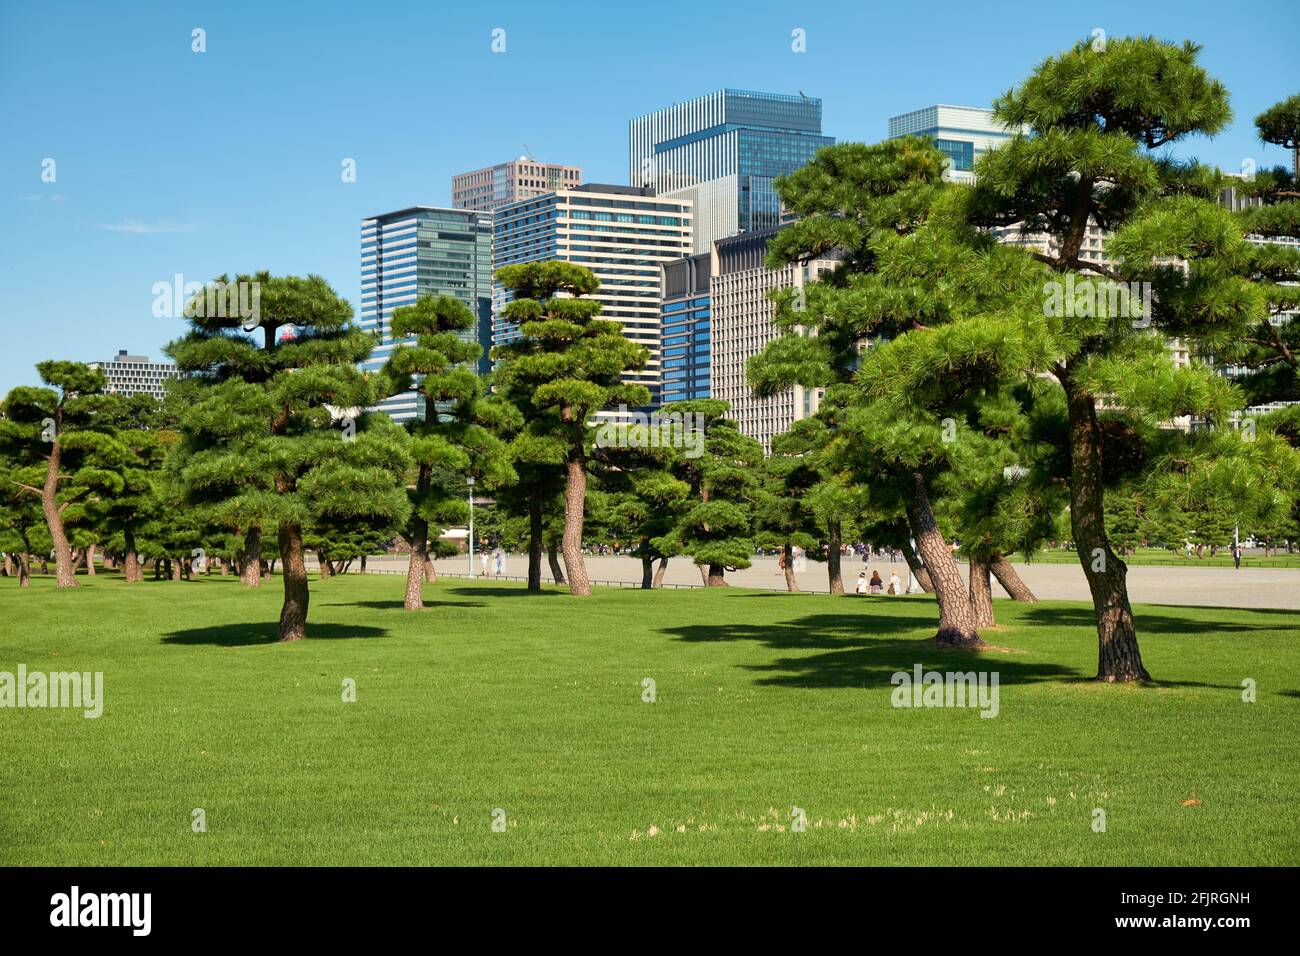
[470, 481]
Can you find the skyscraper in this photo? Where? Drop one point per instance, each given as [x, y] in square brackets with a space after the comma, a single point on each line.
[421, 251]
[493, 186]
[686, 328]
[624, 234]
[723, 151]
[962, 133]
[741, 327]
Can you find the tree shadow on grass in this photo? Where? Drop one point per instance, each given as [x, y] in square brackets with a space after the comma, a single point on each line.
[399, 605]
[862, 651]
[507, 592]
[1160, 622]
[245, 635]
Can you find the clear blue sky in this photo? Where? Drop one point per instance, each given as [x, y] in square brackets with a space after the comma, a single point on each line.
[172, 162]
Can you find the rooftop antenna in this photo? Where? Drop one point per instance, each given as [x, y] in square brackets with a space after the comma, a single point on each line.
[529, 153]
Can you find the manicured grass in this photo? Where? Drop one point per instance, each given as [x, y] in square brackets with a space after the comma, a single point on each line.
[492, 697]
[1163, 557]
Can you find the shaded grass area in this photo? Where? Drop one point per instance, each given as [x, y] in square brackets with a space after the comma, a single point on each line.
[494, 698]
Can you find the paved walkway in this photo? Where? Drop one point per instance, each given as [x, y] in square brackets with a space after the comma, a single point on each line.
[1190, 587]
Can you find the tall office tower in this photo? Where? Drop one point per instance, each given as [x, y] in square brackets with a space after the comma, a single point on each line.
[723, 151]
[416, 252]
[963, 133]
[493, 186]
[624, 234]
[135, 374]
[686, 328]
[742, 326]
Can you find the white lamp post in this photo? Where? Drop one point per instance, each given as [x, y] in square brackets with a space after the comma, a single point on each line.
[470, 481]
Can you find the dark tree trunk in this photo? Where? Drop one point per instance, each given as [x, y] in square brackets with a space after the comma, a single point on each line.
[1006, 574]
[363, 564]
[293, 615]
[981, 592]
[647, 572]
[919, 570]
[716, 578]
[65, 575]
[132, 561]
[535, 546]
[659, 573]
[552, 559]
[251, 573]
[791, 582]
[575, 503]
[834, 544]
[958, 626]
[1118, 657]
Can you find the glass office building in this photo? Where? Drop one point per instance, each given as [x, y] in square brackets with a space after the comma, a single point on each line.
[685, 359]
[417, 252]
[962, 133]
[723, 151]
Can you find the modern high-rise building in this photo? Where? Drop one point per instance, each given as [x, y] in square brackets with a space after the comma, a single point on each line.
[493, 186]
[135, 374]
[962, 133]
[624, 234]
[686, 328]
[741, 326]
[723, 151]
[417, 252]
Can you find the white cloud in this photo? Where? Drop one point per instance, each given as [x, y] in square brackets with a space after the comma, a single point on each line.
[142, 228]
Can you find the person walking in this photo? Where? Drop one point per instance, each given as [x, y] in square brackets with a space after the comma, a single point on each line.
[862, 583]
[1236, 556]
[876, 584]
[895, 584]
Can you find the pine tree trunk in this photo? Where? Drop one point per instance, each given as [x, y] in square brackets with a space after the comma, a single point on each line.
[557, 573]
[414, 582]
[363, 564]
[132, 561]
[251, 573]
[535, 546]
[90, 559]
[1006, 574]
[326, 569]
[430, 573]
[659, 573]
[919, 570]
[704, 573]
[293, 615]
[24, 570]
[981, 592]
[175, 568]
[647, 572]
[65, 577]
[958, 626]
[836, 542]
[225, 567]
[9, 565]
[1118, 657]
[716, 577]
[575, 502]
[791, 582]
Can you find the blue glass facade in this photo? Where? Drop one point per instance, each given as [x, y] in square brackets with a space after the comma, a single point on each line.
[686, 329]
[418, 252]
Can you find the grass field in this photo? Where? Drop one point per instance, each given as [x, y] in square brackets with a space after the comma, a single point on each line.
[1163, 557]
[494, 698]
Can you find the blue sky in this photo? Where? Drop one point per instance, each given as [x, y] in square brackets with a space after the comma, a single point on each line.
[170, 161]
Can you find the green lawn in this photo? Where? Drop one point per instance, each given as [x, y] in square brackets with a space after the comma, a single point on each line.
[1163, 557]
[532, 703]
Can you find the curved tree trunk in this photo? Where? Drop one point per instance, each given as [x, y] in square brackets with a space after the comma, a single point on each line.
[919, 570]
[659, 573]
[552, 559]
[293, 615]
[716, 577]
[791, 582]
[647, 572]
[834, 544]
[704, 573]
[24, 570]
[132, 562]
[575, 501]
[1006, 574]
[90, 559]
[326, 569]
[251, 573]
[958, 626]
[65, 576]
[981, 592]
[1118, 657]
[9, 565]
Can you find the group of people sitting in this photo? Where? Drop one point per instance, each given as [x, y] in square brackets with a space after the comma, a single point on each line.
[877, 586]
